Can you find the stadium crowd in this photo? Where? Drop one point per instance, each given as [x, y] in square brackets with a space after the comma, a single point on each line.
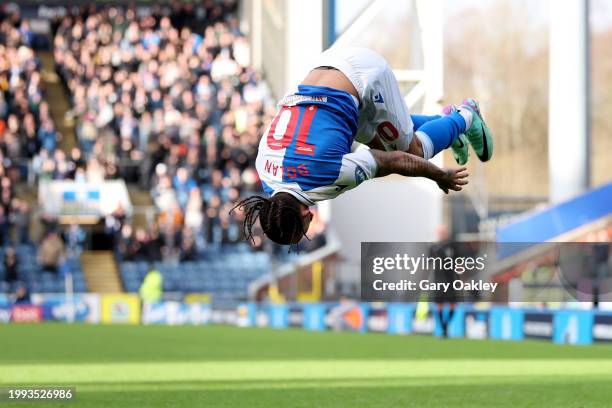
[164, 98]
[26, 127]
[28, 140]
[168, 100]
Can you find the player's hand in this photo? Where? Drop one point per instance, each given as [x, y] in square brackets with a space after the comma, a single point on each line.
[453, 179]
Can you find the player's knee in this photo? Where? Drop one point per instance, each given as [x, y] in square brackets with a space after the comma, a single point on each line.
[416, 147]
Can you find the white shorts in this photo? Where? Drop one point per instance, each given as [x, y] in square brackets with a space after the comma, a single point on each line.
[382, 110]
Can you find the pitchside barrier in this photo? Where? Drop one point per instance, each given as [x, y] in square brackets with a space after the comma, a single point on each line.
[569, 326]
[474, 321]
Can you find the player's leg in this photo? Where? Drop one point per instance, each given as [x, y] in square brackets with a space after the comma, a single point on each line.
[449, 317]
[434, 138]
[420, 120]
[385, 120]
[441, 318]
[451, 311]
[391, 120]
[439, 134]
[459, 147]
[459, 144]
[415, 147]
[389, 117]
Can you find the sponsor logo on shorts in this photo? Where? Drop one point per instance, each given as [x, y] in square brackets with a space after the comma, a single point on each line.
[360, 175]
[378, 98]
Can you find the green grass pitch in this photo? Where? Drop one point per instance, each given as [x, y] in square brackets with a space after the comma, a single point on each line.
[217, 366]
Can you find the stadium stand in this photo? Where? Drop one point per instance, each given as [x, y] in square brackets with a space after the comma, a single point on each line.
[28, 139]
[224, 279]
[30, 272]
[176, 110]
[166, 100]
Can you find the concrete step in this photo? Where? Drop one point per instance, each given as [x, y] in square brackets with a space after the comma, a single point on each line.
[59, 104]
[100, 271]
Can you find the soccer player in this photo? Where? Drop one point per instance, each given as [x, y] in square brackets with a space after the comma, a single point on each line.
[351, 95]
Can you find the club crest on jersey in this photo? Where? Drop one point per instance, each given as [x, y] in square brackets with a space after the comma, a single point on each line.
[378, 98]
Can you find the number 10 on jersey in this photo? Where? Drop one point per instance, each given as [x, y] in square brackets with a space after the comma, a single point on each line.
[282, 130]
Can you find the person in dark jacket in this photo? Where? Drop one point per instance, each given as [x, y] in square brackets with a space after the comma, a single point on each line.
[10, 265]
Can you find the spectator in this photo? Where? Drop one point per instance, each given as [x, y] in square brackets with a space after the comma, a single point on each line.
[10, 265]
[75, 239]
[4, 226]
[22, 296]
[183, 185]
[47, 136]
[152, 287]
[21, 221]
[114, 223]
[51, 252]
[187, 247]
[125, 243]
[193, 212]
[315, 233]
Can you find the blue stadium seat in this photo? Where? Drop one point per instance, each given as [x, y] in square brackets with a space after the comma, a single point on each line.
[30, 272]
[224, 272]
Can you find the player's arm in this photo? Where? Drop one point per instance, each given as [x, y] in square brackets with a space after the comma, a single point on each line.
[409, 165]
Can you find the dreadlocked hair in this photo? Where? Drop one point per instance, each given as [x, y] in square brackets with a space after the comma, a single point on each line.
[280, 217]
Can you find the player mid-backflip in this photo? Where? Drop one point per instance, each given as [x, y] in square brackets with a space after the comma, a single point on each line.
[351, 95]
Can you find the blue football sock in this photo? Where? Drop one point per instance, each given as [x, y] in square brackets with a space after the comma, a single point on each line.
[420, 120]
[442, 132]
